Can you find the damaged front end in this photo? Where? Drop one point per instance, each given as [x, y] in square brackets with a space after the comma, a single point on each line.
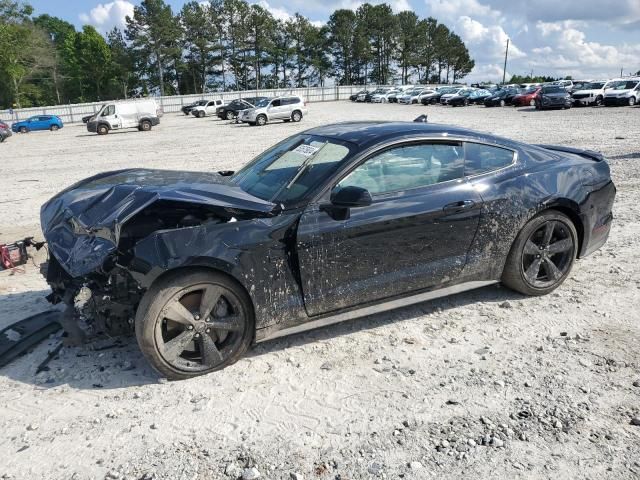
[93, 226]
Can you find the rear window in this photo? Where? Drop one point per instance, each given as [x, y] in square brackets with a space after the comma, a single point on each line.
[481, 158]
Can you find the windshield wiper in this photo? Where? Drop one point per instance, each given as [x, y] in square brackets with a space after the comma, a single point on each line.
[304, 166]
[301, 169]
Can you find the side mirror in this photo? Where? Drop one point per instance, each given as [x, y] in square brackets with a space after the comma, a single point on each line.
[349, 197]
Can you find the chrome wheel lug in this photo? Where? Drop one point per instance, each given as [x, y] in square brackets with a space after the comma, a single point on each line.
[190, 327]
[208, 330]
[196, 317]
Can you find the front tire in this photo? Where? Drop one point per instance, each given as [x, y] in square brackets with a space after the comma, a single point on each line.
[261, 120]
[24, 130]
[542, 255]
[145, 126]
[632, 101]
[502, 103]
[54, 128]
[194, 322]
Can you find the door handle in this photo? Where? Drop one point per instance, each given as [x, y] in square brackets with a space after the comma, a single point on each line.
[457, 207]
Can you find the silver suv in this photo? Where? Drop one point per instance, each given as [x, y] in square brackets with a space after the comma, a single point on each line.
[290, 108]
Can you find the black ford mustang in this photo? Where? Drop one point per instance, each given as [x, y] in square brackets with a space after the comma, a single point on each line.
[330, 224]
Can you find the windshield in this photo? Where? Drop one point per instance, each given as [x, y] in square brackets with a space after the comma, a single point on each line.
[290, 170]
[593, 86]
[262, 103]
[624, 84]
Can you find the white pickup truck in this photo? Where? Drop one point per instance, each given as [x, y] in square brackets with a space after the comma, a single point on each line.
[209, 109]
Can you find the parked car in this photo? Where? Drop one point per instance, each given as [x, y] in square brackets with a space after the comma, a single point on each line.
[384, 97]
[38, 122]
[566, 84]
[432, 97]
[354, 97]
[498, 99]
[579, 85]
[462, 98]
[188, 108]
[623, 92]
[232, 109]
[526, 97]
[140, 114]
[328, 225]
[378, 93]
[553, 96]
[210, 108]
[591, 93]
[289, 108]
[411, 96]
[457, 98]
[5, 131]
[478, 96]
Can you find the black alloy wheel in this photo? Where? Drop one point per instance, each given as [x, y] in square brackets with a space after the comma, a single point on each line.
[194, 323]
[542, 255]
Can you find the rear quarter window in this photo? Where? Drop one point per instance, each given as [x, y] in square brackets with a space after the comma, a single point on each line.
[480, 158]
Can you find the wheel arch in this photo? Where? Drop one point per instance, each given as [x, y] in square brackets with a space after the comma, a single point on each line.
[571, 210]
[206, 264]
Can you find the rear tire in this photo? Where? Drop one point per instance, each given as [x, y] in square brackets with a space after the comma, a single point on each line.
[502, 103]
[145, 126]
[542, 254]
[180, 323]
[296, 116]
[230, 115]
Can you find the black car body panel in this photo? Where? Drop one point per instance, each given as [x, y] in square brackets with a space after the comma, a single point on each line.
[299, 263]
[83, 224]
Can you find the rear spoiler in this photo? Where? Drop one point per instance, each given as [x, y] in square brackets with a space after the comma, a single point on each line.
[590, 154]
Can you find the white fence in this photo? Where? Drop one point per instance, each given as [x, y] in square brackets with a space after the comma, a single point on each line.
[74, 112]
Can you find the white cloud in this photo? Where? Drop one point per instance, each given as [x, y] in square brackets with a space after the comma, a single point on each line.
[108, 15]
[279, 13]
[452, 9]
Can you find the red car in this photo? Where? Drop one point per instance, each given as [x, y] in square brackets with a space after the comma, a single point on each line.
[5, 131]
[527, 97]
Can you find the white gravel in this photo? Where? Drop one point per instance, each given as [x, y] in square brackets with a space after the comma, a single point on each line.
[464, 387]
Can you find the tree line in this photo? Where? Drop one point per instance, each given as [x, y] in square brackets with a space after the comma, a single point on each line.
[218, 45]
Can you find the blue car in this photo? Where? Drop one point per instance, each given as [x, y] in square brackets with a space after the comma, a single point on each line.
[39, 122]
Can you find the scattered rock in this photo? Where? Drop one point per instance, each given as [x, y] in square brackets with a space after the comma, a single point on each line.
[296, 476]
[153, 426]
[233, 470]
[415, 466]
[32, 427]
[584, 362]
[326, 366]
[375, 468]
[636, 383]
[453, 401]
[250, 473]
[506, 304]
[496, 442]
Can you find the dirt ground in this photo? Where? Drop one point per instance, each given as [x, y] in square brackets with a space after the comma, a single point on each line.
[485, 384]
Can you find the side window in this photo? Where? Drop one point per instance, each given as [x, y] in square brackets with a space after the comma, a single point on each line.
[275, 103]
[481, 158]
[110, 110]
[407, 167]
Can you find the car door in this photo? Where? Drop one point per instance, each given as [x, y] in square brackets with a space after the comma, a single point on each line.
[414, 235]
[110, 116]
[41, 123]
[274, 110]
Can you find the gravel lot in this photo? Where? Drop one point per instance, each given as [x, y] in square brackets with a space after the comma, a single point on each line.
[485, 384]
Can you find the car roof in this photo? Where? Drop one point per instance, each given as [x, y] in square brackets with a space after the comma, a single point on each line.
[366, 134]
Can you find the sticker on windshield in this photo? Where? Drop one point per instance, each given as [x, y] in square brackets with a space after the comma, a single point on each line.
[306, 150]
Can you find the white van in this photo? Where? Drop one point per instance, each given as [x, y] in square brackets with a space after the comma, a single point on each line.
[623, 92]
[140, 114]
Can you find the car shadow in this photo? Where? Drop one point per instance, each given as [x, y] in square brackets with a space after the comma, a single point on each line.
[490, 294]
[114, 363]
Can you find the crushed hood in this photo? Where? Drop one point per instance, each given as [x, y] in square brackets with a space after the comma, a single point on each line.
[82, 223]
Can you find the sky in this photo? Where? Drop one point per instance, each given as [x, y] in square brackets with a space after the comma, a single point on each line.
[587, 39]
